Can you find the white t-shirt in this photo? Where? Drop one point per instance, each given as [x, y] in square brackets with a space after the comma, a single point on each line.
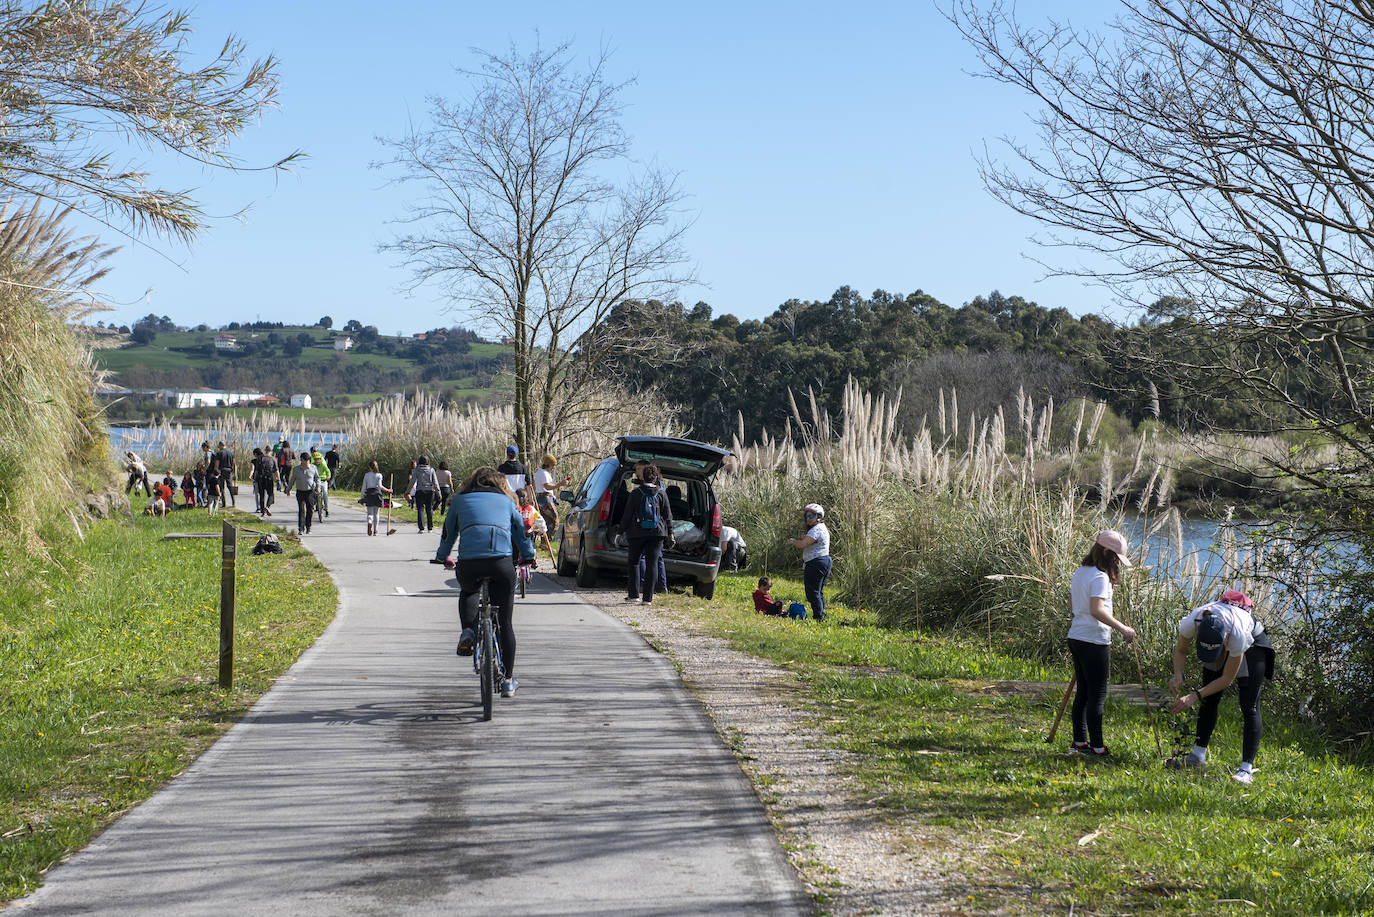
[1241, 628]
[821, 548]
[544, 483]
[372, 479]
[1089, 583]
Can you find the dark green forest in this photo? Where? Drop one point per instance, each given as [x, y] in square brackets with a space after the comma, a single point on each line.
[720, 368]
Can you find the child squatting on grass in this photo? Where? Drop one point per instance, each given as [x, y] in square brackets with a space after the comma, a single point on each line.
[1232, 647]
[1090, 636]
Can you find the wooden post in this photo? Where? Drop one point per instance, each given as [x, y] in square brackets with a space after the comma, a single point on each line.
[229, 552]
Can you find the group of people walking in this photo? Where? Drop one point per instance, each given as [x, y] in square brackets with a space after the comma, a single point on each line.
[1228, 639]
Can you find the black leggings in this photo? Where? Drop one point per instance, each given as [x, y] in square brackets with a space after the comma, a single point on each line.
[500, 571]
[1249, 687]
[1091, 667]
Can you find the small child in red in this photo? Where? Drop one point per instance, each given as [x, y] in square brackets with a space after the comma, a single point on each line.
[764, 603]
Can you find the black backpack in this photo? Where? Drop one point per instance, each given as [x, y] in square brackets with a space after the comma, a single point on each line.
[648, 514]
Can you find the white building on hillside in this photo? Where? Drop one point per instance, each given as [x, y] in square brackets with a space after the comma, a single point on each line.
[206, 398]
[300, 401]
[225, 342]
[343, 343]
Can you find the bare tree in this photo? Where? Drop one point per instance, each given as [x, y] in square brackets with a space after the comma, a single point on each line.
[1220, 152]
[523, 222]
[76, 72]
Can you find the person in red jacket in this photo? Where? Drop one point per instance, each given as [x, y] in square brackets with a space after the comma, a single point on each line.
[764, 603]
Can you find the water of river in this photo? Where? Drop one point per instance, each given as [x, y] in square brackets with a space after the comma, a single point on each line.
[148, 441]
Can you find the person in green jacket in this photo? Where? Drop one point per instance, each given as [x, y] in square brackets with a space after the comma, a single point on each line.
[321, 466]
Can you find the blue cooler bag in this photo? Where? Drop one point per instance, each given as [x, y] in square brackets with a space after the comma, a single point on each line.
[796, 611]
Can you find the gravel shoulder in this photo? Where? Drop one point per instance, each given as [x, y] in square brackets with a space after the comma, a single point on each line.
[851, 857]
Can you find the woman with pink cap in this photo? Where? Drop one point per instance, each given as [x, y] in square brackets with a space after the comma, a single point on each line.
[1232, 647]
[1090, 636]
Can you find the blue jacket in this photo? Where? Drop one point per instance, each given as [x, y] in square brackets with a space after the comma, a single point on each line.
[484, 523]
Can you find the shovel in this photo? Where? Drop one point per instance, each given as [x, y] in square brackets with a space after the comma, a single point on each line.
[389, 529]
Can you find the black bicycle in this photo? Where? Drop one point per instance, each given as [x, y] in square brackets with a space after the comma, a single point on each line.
[486, 661]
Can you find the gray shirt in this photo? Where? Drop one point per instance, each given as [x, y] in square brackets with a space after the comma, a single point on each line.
[304, 477]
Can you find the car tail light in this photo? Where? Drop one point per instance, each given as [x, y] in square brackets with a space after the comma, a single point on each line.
[603, 509]
[715, 522]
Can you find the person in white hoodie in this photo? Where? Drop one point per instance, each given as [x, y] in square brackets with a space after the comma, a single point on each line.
[1232, 647]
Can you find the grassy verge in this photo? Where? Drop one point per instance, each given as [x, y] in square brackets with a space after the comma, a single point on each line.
[108, 655]
[942, 740]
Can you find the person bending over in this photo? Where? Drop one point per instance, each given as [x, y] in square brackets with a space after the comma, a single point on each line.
[1232, 647]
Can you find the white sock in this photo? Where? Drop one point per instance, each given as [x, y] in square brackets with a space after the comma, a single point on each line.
[1199, 753]
[1246, 767]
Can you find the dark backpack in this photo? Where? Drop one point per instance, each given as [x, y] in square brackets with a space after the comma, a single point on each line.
[648, 514]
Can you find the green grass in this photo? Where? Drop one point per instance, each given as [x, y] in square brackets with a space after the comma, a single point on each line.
[108, 654]
[938, 749]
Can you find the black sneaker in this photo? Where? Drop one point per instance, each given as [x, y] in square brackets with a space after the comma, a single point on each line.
[1080, 747]
[467, 642]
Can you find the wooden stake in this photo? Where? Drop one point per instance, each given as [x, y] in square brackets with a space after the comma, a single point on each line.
[229, 550]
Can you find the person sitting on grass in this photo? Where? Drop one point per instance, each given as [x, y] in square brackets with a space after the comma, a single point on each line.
[156, 506]
[164, 492]
[764, 603]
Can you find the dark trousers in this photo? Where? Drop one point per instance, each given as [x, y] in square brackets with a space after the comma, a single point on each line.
[500, 574]
[264, 493]
[1248, 688]
[136, 478]
[814, 574]
[424, 509]
[1091, 667]
[226, 496]
[305, 506]
[661, 574]
[642, 581]
[445, 495]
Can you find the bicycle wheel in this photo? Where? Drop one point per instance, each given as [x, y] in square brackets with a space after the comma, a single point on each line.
[486, 649]
[524, 577]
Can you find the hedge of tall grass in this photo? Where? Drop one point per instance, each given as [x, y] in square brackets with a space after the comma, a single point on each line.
[951, 530]
[393, 433]
[52, 444]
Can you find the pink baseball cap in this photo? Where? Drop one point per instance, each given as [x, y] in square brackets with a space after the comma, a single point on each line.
[1237, 598]
[1116, 543]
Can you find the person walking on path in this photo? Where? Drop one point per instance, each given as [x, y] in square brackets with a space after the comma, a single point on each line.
[373, 488]
[816, 562]
[138, 474]
[286, 464]
[424, 484]
[516, 474]
[228, 473]
[485, 514]
[263, 469]
[1232, 647]
[1090, 636]
[546, 491]
[304, 480]
[332, 459]
[647, 522]
[445, 478]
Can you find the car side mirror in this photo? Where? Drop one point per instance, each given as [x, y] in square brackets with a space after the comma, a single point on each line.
[566, 496]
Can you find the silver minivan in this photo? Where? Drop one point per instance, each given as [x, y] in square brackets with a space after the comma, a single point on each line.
[592, 541]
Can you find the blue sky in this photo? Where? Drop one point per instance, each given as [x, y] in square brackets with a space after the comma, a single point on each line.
[820, 145]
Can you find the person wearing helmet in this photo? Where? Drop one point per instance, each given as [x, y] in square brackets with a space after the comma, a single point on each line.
[1232, 647]
[816, 563]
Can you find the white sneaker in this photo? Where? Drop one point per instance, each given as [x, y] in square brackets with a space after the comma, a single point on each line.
[1243, 776]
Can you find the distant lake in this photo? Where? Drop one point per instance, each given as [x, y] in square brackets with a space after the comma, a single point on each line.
[149, 439]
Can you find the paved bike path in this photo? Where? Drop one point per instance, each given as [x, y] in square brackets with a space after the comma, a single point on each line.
[366, 783]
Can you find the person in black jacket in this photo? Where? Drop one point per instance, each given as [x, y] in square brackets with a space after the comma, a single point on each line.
[647, 523]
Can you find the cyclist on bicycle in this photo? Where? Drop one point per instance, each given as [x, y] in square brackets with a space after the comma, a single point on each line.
[485, 521]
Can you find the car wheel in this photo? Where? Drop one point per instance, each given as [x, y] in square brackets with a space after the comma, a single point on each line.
[586, 574]
[704, 590]
[564, 568]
